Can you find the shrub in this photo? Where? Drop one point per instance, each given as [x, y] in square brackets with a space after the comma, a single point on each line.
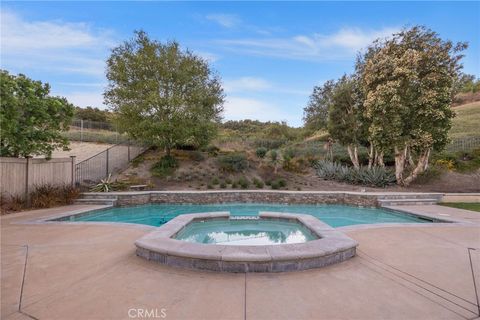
[212, 150]
[235, 162]
[228, 181]
[297, 165]
[46, 196]
[223, 185]
[164, 167]
[258, 183]
[269, 143]
[11, 203]
[261, 152]
[215, 181]
[234, 185]
[243, 183]
[209, 186]
[278, 183]
[70, 193]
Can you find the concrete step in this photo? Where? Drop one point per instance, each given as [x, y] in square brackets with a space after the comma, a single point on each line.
[411, 202]
[422, 196]
[97, 201]
[103, 195]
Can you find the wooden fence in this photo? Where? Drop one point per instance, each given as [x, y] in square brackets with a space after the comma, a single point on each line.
[18, 176]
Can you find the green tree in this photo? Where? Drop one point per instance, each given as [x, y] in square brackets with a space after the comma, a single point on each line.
[315, 114]
[344, 117]
[91, 114]
[31, 120]
[163, 95]
[408, 82]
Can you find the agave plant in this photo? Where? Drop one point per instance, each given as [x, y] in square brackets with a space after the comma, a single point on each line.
[376, 176]
[105, 185]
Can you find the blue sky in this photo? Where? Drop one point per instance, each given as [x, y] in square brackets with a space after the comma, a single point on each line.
[268, 54]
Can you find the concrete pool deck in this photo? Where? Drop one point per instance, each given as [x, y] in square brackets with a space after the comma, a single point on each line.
[90, 271]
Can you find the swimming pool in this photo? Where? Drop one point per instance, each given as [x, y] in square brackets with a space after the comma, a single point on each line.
[158, 214]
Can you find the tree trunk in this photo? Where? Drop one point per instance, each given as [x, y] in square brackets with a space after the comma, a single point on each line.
[409, 157]
[379, 160]
[400, 164]
[421, 166]
[371, 156]
[353, 155]
[168, 151]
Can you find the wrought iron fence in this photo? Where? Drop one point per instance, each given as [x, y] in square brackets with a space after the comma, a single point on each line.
[110, 161]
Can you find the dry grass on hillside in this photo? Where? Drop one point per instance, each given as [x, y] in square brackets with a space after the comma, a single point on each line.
[467, 121]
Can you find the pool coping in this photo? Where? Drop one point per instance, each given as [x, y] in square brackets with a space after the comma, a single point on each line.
[333, 246]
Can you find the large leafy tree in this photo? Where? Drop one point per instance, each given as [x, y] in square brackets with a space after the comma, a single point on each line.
[345, 117]
[162, 94]
[408, 81]
[31, 120]
[315, 114]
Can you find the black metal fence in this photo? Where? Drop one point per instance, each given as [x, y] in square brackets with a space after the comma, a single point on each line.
[110, 161]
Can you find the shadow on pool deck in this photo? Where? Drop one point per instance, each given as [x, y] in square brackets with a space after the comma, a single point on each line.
[91, 272]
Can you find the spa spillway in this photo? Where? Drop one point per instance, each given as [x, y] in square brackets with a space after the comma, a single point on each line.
[271, 242]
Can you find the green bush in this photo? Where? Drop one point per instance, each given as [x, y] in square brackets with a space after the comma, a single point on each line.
[234, 162]
[258, 183]
[166, 166]
[278, 184]
[261, 152]
[243, 183]
[269, 143]
[215, 181]
[223, 185]
[234, 185]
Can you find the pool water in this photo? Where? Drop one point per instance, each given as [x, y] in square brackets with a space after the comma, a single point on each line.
[158, 214]
[245, 232]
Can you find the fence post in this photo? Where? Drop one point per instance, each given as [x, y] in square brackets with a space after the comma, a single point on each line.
[81, 130]
[73, 170]
[128, 151]
[27, 181]
[107, 163]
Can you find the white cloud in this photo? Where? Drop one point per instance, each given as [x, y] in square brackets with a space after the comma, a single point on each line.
[53, 45]
[339, 45]
[210, 57]
[225, 20]
[238, 108]
[246, 84]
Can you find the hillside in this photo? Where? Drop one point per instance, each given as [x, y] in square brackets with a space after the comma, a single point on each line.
[467, 121]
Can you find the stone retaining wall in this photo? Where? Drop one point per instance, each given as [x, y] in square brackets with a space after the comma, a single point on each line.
[248, 197]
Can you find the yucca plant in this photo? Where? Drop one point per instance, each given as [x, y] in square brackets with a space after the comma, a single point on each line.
[105, 185]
